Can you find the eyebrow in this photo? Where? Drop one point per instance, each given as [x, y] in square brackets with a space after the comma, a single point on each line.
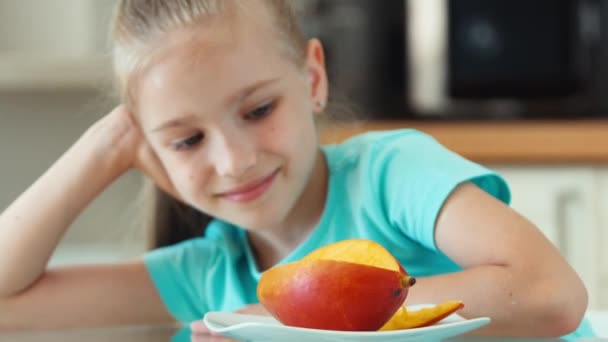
[239, 96]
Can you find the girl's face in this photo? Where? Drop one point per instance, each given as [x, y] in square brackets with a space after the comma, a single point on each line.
[231, 119]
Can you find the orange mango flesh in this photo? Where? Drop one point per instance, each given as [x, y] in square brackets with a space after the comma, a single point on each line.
[404, 319]
[358, 251]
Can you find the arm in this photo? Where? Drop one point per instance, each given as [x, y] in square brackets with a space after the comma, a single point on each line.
[512, 273]
[84, 297]
[33, 225]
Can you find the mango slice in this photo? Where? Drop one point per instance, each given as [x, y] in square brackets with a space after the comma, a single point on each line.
[404, 319]
[357, 251]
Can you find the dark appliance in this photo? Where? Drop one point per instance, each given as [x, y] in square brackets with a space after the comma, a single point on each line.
[365, 50]
[500, 59]
[544, 57]
[515, 48]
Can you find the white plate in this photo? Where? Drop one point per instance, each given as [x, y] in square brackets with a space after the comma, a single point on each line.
[265, 328]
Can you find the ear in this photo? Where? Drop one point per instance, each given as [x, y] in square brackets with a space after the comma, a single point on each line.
[317, 75]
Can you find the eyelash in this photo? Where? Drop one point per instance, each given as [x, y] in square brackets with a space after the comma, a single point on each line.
[260, 112]
[189, 142]
[255, 115]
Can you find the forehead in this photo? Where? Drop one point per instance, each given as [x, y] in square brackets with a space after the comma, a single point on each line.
[208, 61]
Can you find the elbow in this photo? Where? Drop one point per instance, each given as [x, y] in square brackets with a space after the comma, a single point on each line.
[561, 309]
[562, 322]
[570, 314]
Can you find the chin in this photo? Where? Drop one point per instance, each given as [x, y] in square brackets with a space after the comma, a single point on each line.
[264, 220]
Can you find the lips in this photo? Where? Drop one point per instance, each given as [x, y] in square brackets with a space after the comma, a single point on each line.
[250, 191]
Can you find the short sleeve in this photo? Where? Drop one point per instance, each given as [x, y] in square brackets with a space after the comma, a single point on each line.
[178, 273]
[413, 175]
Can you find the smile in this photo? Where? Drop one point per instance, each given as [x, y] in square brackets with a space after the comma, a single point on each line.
[251, 191]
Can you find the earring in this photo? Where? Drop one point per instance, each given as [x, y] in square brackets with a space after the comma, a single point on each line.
[320, 104]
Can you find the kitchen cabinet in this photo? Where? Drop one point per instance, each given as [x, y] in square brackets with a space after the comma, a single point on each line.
[53, 44]
[568, 205]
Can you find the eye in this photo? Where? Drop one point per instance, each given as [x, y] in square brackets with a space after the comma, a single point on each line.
[260, 112]
[188, 142]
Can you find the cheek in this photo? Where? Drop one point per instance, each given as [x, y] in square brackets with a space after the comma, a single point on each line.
[180, 179]
[186, 176]
[302, 138]
[293, 129]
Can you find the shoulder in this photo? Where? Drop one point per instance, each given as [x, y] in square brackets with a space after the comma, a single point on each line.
[374, 152]
[384, 144]
[369, 141]
[397, 166]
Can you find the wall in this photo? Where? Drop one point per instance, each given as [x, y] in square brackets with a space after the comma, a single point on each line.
[53, 85]
[35, 129]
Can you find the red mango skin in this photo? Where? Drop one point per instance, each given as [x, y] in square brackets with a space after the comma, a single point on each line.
[332, 295]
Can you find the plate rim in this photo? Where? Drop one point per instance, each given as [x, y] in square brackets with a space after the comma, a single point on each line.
[479, 321]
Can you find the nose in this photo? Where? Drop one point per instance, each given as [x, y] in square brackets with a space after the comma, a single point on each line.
[233, 156]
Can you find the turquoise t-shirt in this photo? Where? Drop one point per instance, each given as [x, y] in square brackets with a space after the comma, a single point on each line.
[384, 186]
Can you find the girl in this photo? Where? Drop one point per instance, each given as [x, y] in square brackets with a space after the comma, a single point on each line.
[220, 99]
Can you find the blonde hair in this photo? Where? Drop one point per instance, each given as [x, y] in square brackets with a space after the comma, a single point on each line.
[138, 26]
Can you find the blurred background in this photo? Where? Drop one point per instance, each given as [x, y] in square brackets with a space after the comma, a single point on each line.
[466, 58]
[516, 85]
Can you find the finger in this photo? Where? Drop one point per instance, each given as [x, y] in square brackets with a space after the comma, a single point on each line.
[254, 309]
[199, 327]
[209, 338]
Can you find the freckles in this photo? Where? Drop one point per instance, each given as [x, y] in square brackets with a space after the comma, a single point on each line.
[272, 127]
[189, 177]
[270, 133]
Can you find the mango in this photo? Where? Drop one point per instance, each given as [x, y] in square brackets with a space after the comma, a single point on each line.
[404, 319]
[351, 285]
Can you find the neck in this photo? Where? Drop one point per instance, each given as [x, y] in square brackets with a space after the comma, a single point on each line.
[278, 242]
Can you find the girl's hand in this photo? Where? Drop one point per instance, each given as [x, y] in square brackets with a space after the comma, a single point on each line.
[114, 138]
[117, 136]
[199, 327]
[209, 338]
[254, 309]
